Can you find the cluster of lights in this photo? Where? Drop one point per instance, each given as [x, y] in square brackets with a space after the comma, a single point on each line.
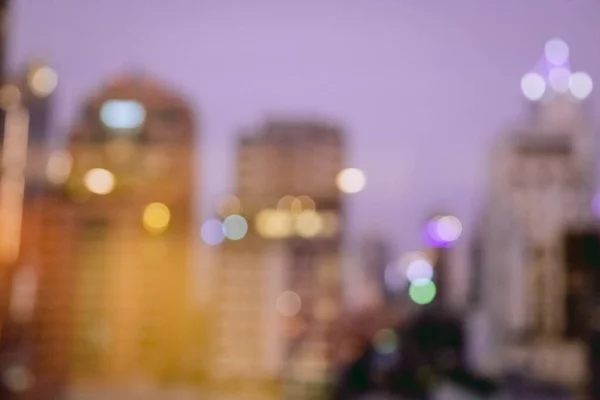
[443, 230]
[559, 76]
[215, 231]
[414, 269]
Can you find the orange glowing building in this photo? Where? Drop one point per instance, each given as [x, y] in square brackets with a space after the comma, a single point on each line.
[126, 180]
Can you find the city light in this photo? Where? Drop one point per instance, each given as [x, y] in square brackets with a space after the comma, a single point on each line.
[559, 79]
[99, 181]
[17, 378]
[308, 224]
[443, 230]
[581, 85]
[422, 292]
[307, 204]
[212, 232]
[230, 205]
[331, 224]
[122, 115]
[59, 167]
[274, 224]
[385, 341]
[351, 180]
[289, 304]
[42, 81]
[556, 52]
[156, 218]
[533, 86]
[235, 227]
[418, 270]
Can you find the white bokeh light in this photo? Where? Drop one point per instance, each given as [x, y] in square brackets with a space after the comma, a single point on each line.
[419, 270]
[289, 304]
[559, 79]
[556, 51]
[533, 86]
[122, 115]
[448, 228]
[581, 85]
[351, 180]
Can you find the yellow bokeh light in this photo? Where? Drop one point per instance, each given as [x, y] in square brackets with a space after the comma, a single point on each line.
[99, 181]
[308, 224]
[351, 180]
[274, 224]
[307, 203]
[43, 81]
[59, 167]
[230, 205]
[156, 217]
[285, 203]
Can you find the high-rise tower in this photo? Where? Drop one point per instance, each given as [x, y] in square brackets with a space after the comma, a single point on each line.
[129, 196]
[289, 263]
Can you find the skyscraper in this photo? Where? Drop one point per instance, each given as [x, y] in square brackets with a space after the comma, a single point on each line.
[27, 99]
[286, 191]
[541, 187]
[129, 198]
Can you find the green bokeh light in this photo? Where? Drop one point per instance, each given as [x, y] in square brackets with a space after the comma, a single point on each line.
[422, 292]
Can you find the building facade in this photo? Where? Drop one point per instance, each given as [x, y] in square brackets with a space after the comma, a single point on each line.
[286, 189]
[131, 238]
[541, 188]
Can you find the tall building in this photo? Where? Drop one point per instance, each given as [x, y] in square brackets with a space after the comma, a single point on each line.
[27, 101]
[541, 187]
[128, 196]
[285, 274]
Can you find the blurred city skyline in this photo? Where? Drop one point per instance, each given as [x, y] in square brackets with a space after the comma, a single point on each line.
[389, 73]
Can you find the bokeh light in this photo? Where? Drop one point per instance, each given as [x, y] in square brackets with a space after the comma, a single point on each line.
[274, 224]
[308, 224]
[385, 341]
[351, 180]
[307, 203]
[122, 115]
[230, 205]
[443, 230]
[42, 81]
[156, 218]
[559, 79]
[289, 304]
[212, 232]
[581, 85]
[418, 270]
[235, 227]
[422, 291]
[17, 378]
[99, 181]
[533, 86]
[556, 51]
[59, 167]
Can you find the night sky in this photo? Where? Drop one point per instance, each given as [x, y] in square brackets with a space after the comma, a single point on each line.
[422, 87]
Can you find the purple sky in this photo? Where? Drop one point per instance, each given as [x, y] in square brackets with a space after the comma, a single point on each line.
[423, 87]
